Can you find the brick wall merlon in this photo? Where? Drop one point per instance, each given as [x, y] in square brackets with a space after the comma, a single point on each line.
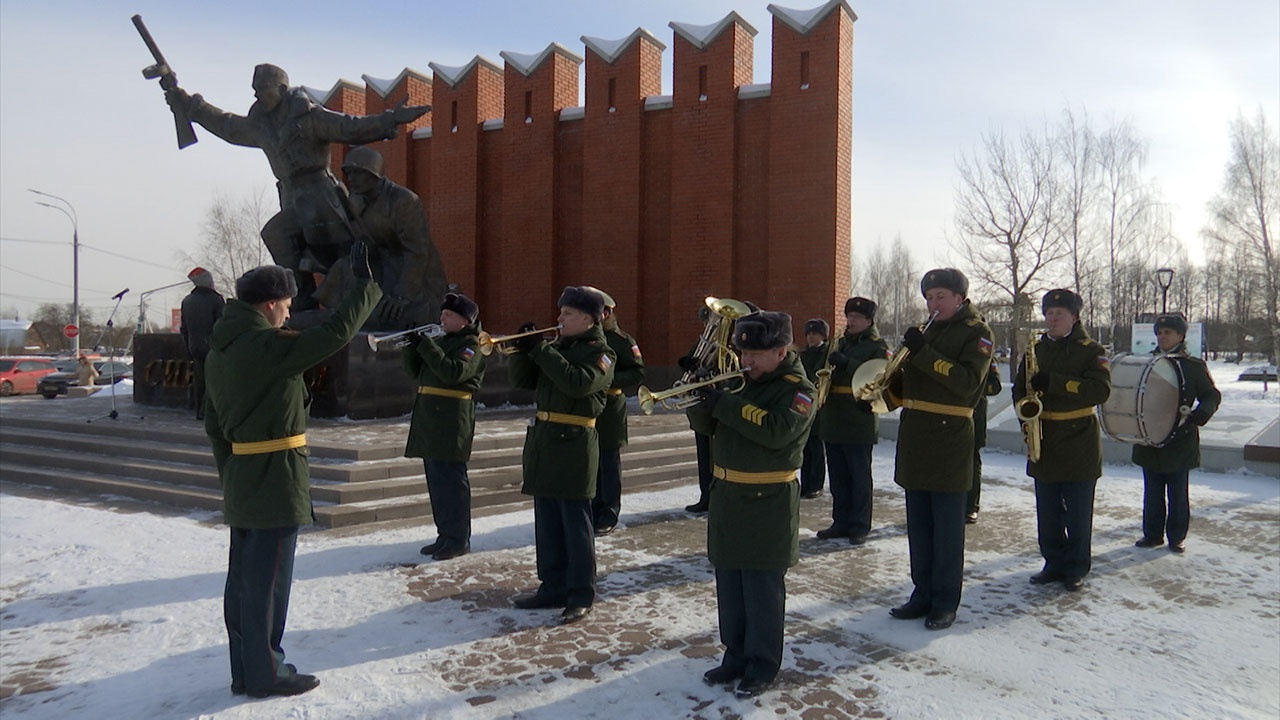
[455, 75]
[527, 64]
[802, 21]
[700, 36]
[334, 93]
[611, 50]
[384, 87]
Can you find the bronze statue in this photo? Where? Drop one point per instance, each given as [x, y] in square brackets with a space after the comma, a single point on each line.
[314, 227]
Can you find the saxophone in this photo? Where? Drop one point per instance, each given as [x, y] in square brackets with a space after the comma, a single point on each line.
[1028, 409]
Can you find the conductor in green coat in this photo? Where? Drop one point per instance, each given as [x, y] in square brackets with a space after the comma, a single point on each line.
[449, 371]
[1073, 376]
[758, 436]
[569, 378]
[256, 420]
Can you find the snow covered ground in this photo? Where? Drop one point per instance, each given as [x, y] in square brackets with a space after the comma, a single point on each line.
[108, 613]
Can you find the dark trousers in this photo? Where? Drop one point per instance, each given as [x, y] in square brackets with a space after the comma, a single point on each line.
[197, 386]
[813, 468]
[566, 550]
[975, 491]
[703, 444]
[751, 605]
[255, 603]
[935, 539]
[1064, 524]
[1155, 486]
[850, 467]
[450, 491]
[606, 506]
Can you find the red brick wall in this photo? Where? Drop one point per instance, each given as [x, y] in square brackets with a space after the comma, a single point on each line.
[747, 198]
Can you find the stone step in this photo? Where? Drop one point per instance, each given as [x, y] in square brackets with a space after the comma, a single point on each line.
[93, 484]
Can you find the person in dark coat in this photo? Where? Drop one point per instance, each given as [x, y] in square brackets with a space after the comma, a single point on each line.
[256, 420]
[201, 308]
[847, 426]
[1166, 470]
[449, 371]
[570, 378]
[1073, 376]
[939, 384]
[754, 521]
[814, 357]
[980, 441]
[606, 506]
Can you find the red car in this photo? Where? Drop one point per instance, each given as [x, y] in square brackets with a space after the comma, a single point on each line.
[20, 374]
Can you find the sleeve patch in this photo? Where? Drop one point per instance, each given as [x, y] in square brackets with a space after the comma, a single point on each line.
[1104, 363]
[985, 345]
[754, 414]
[468, 353]
[942, 367]
[605, 362]
[802, 404]
[635, 351]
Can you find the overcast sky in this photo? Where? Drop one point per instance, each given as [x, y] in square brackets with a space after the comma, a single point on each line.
[78, 120]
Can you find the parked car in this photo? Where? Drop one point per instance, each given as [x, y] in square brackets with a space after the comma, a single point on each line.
[20, 374]
[109, 372]
[1261, 373]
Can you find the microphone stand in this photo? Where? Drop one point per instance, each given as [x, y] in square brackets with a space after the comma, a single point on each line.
[111, 363]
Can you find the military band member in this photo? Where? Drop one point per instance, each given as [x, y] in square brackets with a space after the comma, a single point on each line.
[1166, 470]
[570, 377]
[449, 371]
[847, 426]
[941, 381]
[256, 419]
[1073, 376]
[612, 426]
[813, 468]
[753, 524]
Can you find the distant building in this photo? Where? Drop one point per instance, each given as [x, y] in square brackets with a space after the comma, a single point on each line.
[13, 335]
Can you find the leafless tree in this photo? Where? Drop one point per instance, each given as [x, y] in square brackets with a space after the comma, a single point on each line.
[1244, 213]
[231, 244]
[888, 277]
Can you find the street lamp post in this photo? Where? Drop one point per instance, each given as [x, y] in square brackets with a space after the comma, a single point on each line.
[75, 261]
[1164, 278]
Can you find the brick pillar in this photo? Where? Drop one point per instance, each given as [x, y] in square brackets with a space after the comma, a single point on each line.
[464, 98]
[810, 164]
[617, 82]
[707, 68]
[536, 89]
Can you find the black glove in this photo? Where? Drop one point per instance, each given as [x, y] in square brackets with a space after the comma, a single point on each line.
[913, 339]
[837, 359]
[688, 363]
[710, 395]
[1198, 416]
[864, 406]
[1040, 381]
[360, 261]
[525, 344]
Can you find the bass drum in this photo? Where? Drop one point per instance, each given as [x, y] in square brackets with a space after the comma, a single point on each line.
[1144, 405]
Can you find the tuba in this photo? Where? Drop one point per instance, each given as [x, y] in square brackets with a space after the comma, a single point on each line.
[1028, 409]
[713, 355]
[872, 377]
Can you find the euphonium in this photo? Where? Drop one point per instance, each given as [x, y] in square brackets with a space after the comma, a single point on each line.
[872, 377]
[1028, 408]
[714, 351]
[489, 342]
[404, 337]
[679, 396]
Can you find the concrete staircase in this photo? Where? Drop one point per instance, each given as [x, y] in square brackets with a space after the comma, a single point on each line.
[358, 473]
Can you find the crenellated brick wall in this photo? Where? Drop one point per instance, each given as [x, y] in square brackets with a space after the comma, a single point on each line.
[722, 188]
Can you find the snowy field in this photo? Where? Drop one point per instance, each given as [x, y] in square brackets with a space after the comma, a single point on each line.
[108, 613]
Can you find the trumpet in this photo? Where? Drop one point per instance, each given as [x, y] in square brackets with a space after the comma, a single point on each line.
[403, 337]
[489, 342]
[1029, 407]
[679, 395]
[872, 377]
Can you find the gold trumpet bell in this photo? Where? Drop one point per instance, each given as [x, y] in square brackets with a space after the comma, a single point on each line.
[866, 378]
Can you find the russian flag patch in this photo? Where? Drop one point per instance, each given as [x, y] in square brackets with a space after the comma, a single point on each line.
[468, 353]
[803, 403]
[985, 345]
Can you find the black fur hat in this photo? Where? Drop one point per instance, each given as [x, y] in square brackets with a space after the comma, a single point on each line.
[1065, 299]
[266, 282]
[1176, 323]
[946, 278]
[762, 330]
[864, 307]
[583, 298]
[817, 325]
[461, 304]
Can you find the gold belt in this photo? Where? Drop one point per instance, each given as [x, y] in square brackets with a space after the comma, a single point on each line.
[939, 408]
[566, 419]
[754, 478]
[443, 392]
[842, 390]
[1066, 414]
[615, 391]
[262, 447]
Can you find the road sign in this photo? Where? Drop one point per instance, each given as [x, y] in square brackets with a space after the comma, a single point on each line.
[70, 330]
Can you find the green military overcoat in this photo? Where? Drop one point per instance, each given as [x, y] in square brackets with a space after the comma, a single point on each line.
[628, 372]
[1198, 392]
[1079, 378]
[255, 392]
[935, 450]
[760, 429]
[568, 376]
[841, 420]
[443, 427]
